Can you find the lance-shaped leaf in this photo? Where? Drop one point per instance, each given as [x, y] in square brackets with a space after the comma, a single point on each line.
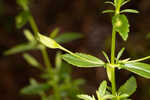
[29, 36]
[23, 3]
[83, 60]
[139, 68]
[20, 48]
[68, 37]
[35, 87]
[22, 19]
[31, 60]
[102, 88]
[129, 87]
[129, 11]
[108, 11]
[48, 42]
[84, 97]
[121, 25]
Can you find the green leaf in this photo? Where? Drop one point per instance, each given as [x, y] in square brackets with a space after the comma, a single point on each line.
[58, 60]
[129, 87]
[102, 88]
[108, 96]
[68, 37]
[108, 11]
[54, 33]
[31, 60]
[83, 60]
[106, 56]
[20, 48]
[122, 96]
[120, 53]
[125, 2]
[35, 88]
[22, 19]
[139, 68]
[48, 42]
[109, 2]
[129, 11]
[29, 36]
[84, 97]
[121, 25]
[23, 3]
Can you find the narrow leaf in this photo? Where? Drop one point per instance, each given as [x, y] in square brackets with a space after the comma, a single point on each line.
[122, 96]
[54, 33]
[121, 25]
[129, 11]
[58, 60]
[84, 97]
[102, 88]
[125, 2]
[48, 41]
[20, 48]
[109, 2]
[35, 88]
[23, 3]
[22, 19]
[29, 35]
[31, 60]
[108, 11]
[106, 56]
[68, 37]
[139, 68]
[108, 96]
[120, 53]
[129, 87]
[83, 60]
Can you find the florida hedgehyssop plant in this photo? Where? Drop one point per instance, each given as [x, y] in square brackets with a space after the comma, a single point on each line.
[120, 25]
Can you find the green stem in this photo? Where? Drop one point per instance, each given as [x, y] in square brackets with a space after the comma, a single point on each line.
[113, 62]
[43, 50]
[33, 25]
[46, 59]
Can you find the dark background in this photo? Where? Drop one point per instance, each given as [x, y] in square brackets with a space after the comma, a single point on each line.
[82, 16]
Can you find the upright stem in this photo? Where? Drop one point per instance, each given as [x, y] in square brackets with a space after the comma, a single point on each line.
[43, 50]
[113, 82]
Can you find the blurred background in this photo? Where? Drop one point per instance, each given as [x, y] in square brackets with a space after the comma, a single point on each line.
[85, 17]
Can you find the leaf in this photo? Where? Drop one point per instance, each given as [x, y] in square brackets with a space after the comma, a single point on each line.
[23, 3]
[102, 88]
[139, 68]
[20, 48]
[31, 60]
[129, 87]
[22, 19]
[129, 11]
[54, 33]
[48, 41]
[58, 60]
[109, 2]
[125, 2]
[35, 88]
[83, 60]
[106, 56]
[68, 37]
[121, 25]
[122, 96]
[84, 97]
[29, 36]
[120, 53]
[108, 11]
[109, 96]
